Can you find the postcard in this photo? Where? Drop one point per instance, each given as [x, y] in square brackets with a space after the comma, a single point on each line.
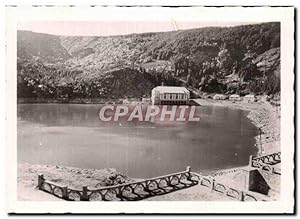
[150, 110]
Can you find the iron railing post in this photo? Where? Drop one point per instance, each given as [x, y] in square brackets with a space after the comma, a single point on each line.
[242, 197]
[213, 184]
[84, 196]
[250, 160]
[188, 170]
[41, 180]
[64, 191]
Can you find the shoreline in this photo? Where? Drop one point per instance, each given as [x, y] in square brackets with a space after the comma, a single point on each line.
[261, 114]
[72, 101]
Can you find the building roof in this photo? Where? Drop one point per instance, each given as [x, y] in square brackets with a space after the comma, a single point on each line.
[170, 89]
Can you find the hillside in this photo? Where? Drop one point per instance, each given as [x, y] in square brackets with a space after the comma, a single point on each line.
[43, 81]
[37, 46]
[241, 59]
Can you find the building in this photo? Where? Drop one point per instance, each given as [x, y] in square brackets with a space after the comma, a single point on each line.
[165, 95]
[234, 97]
[249, 98]
[219, 97]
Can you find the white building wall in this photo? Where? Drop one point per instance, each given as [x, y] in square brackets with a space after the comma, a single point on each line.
[158, 96]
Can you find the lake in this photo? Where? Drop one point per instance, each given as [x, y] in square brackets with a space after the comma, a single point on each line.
[73, 135]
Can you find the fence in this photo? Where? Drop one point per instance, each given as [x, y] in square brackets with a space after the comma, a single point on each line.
[141, 189]
[266, 162]
[221, 188]
[269, 158]
[129, 191]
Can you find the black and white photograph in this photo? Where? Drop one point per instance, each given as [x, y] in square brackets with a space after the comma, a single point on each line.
[187, 109]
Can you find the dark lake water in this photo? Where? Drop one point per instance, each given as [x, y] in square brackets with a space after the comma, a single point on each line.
[73, 135]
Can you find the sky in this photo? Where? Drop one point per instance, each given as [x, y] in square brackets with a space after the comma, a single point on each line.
[108, 28]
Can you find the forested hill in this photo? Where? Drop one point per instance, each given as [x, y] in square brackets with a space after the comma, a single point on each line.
[241, 59]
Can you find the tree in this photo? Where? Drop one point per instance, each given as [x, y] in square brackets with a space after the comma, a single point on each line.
[224, 59]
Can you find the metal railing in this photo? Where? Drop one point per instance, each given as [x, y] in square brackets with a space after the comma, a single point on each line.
[267, 162]
[221, 188]
[141, 189]
[269, 158]
[129, 191]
